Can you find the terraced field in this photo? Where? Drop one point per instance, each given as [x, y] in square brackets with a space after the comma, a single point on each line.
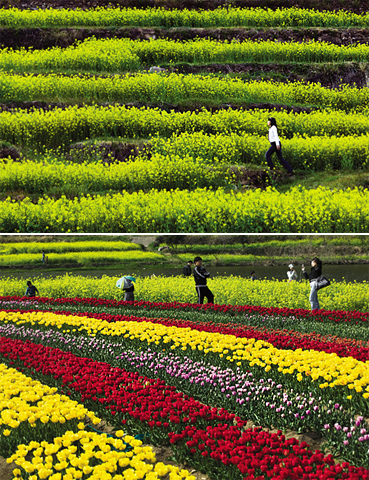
[152, 119]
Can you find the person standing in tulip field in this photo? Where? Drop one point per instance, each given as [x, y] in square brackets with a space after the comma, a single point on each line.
[201, 275]
[275, 146]
[315, 273]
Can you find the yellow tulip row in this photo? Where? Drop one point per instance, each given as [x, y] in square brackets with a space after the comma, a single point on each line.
[102, 456]
[23, 399]
[329, 370]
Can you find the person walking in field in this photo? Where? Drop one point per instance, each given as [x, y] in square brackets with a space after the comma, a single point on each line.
[275, 147]
[316, 271]
[31, 290]
[291, 274]
[187, 270]
[129, 289]
[201, 275]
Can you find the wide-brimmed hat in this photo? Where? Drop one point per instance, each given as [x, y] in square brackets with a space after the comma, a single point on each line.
[290, 265]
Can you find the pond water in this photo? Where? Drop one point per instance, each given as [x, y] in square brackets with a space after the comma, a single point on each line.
[348, 273]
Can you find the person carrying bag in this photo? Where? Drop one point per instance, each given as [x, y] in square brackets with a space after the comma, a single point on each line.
[317, 282]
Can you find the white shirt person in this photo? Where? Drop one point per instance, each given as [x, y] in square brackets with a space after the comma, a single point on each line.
[275, 147]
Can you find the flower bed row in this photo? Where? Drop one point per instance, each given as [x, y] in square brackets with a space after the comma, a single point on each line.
[262, 401]
[333, 377]
[79, 454]
[285, 339]
[232, 310]
[90, 455]
[32, 410]
[215, 439]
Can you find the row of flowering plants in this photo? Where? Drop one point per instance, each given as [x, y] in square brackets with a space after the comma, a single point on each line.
[215, 440]
[262, 401]
[31, 411]
[341, 379]
[86, 454]
[231, 310]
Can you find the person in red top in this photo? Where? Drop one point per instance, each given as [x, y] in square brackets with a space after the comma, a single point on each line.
[275, 147]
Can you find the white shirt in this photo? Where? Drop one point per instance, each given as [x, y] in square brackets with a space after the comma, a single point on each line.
[292, 275]
[273, 135]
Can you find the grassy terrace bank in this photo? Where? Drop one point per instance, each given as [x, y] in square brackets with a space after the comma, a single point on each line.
[114, 253]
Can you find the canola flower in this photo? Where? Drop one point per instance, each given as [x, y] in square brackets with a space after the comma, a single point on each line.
[117, 55]
[232, 290]
[150, 17]
[175, 87]
[327, 370]
[298, 210]
[90, 455]
[67, 247]
[81, 257]
[62, 126]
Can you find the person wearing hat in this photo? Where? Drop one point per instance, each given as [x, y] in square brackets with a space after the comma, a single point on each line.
[291, 274]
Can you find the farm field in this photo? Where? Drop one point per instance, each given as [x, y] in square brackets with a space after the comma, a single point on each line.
[154, 119]
[233, 290]
[115, 252]
[231, 391]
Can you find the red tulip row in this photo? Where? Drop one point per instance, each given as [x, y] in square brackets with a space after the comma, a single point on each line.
[332, 315]
[215, 439]
[283, 339]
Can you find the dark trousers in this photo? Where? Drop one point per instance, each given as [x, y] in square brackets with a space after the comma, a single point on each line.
[269, 153]
[203, 292]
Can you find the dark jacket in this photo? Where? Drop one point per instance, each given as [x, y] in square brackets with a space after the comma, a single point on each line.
[201, 275]
[314, 273]
[31, 291]
[187, 270]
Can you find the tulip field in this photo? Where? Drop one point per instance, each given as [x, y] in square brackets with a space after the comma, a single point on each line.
[188, 93]
[228, 388]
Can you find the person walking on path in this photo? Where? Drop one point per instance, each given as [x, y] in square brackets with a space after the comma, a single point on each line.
[291, 274]
[31, 290]
[187, 270]
[316, 271]
[201, 275]
[253, 275]
[129, 295]
[275, 147]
